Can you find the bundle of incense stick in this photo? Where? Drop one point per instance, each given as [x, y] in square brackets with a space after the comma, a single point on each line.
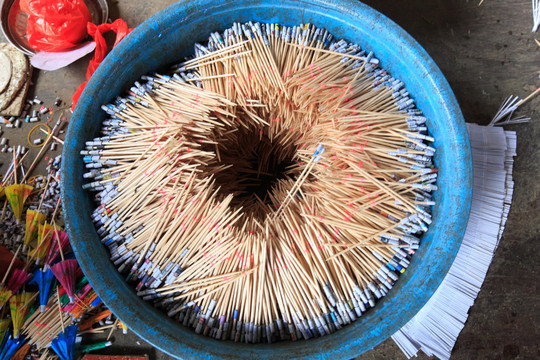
[41, 328]
[273, 187]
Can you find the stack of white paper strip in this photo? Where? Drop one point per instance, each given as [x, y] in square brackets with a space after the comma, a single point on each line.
[436, 327]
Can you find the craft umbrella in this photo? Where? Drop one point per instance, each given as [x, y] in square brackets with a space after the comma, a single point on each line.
[44, 241]
[54, 252]
[64, 271]
[4, 325]
[22, 352]
[17, 280]
[16, 195]
[19, 306]
[5, 294]
[86, 299]
[10, 346]
[45, 282]
[33, 220]
[64, 344]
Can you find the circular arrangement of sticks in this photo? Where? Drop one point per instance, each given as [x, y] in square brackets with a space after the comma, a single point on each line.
[273, 187]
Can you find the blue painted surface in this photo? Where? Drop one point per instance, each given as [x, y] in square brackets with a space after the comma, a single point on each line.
[169, 35]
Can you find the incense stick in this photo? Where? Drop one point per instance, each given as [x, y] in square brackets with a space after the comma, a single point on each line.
[274, 186]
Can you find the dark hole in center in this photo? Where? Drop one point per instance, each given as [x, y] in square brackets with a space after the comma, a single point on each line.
[255, 165]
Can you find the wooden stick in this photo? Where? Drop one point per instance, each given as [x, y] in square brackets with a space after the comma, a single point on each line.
[213, 199]
[60, 309]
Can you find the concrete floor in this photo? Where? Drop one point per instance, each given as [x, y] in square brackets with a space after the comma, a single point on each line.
[487, 53]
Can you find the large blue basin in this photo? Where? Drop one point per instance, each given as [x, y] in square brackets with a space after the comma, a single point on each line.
[166, 38]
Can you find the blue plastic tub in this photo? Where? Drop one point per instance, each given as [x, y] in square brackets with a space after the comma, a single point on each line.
[166, 38]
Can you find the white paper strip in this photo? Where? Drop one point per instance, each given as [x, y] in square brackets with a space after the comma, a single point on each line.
[536, 14]
[436, 327]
